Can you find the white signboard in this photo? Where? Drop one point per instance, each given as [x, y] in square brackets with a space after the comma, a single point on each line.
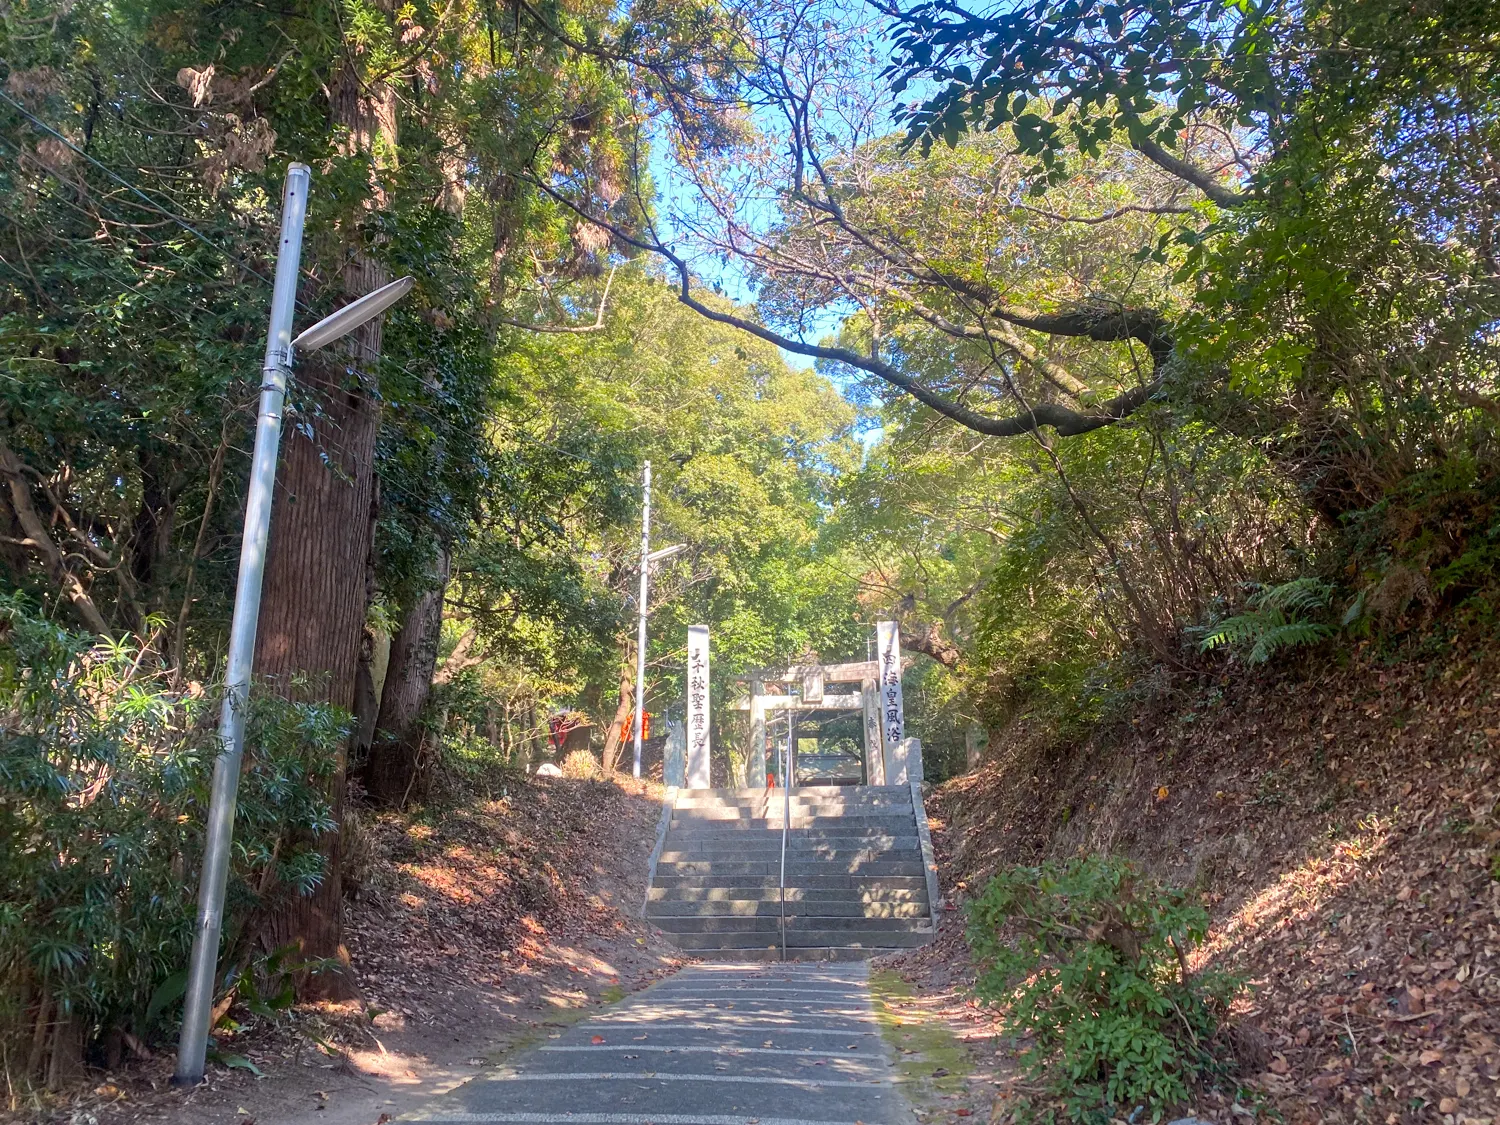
[888, 687]
[698, 726]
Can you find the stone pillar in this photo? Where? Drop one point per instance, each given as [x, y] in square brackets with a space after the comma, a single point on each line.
[698, 717]
[874, 757]
[892, 708]
[674, 757]
[755, 751]
[904, 763]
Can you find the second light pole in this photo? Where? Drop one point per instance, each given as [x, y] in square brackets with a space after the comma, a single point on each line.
[647, 558]
[640, 632]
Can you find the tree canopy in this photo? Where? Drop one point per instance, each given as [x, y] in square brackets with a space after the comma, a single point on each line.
[1103, 346]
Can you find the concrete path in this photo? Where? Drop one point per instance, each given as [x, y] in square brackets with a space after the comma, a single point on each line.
[778, 1044]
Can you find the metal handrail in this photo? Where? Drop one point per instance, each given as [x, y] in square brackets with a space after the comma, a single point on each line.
[786, 815]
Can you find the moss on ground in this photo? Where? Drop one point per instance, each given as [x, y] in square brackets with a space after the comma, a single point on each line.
[930, 1058]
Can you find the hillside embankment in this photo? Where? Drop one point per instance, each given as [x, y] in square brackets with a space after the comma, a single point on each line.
[475, 925]
[1340, 822]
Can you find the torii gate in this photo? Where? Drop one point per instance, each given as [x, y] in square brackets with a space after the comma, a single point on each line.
[890, 757]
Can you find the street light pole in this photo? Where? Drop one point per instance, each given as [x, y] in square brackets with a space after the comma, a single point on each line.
[197, 1008]
[192, 1048]
[640, 632]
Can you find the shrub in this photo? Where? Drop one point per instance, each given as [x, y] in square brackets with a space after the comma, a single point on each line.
[104, 778]
[1089, 961]
[581, 764]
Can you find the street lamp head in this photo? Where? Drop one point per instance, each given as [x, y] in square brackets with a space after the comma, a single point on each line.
[666, 553]
[351, 316]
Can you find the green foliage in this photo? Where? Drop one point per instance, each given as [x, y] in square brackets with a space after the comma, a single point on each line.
[1278, 618]
[104, 777]
[1343, 304]
[745, 451]
[1088, 960]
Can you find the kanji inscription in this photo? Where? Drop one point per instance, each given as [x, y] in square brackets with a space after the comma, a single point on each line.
[698, 713]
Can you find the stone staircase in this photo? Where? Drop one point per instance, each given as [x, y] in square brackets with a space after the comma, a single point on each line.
[859, 874]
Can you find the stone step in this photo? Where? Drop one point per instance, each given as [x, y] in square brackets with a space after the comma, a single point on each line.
[775, 810]
[805, 939]
[793, 894]
[810, 850]
[843, 794]
[794, 953]
[806, 791]
[860, 816]
[869, 938]
[771, 923]
[855, 837]
[721, 821]
[837, 860]
[806, 882]
[794, 869]
[737, 841]
[838, 826]
[799, 808]
[797, 854]
[748, 908]
[857, 925]
[685, 924]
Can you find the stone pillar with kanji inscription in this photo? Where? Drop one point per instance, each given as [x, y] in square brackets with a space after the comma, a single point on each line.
[891, 707]
[869, 692]
[698, 725]
[755, 749]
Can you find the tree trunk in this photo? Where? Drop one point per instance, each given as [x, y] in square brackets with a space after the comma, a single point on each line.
[396, 750]
[928, 638]
[322, 538]
[536, 739]
[366, 702]
[615, 739]
[366, 691]
[313, 613]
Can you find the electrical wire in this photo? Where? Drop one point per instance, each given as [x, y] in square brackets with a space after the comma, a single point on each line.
[130, 187]
[238, 260]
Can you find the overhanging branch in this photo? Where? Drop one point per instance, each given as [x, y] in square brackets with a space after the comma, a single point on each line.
[1103, 324]
[1200, 178]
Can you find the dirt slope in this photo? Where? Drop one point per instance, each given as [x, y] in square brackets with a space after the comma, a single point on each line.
[1342, 825]
[473, 929]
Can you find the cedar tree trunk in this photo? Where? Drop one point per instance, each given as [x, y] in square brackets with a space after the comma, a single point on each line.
[316, 592]
[395, 764]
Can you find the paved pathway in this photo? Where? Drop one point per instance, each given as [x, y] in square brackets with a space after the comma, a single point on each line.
[714, 1045]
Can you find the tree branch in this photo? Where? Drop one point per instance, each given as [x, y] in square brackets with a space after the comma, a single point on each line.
[39, 541]
[929, 639]
[1097, 324]
[1203, 180]
[1109, 216]
[459, 659]
[597, 326]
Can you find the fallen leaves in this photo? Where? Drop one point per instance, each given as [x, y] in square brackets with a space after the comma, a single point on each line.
[488, 890]
[1345, 831]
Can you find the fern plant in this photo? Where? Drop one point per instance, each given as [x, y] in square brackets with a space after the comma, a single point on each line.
[1276, 618]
